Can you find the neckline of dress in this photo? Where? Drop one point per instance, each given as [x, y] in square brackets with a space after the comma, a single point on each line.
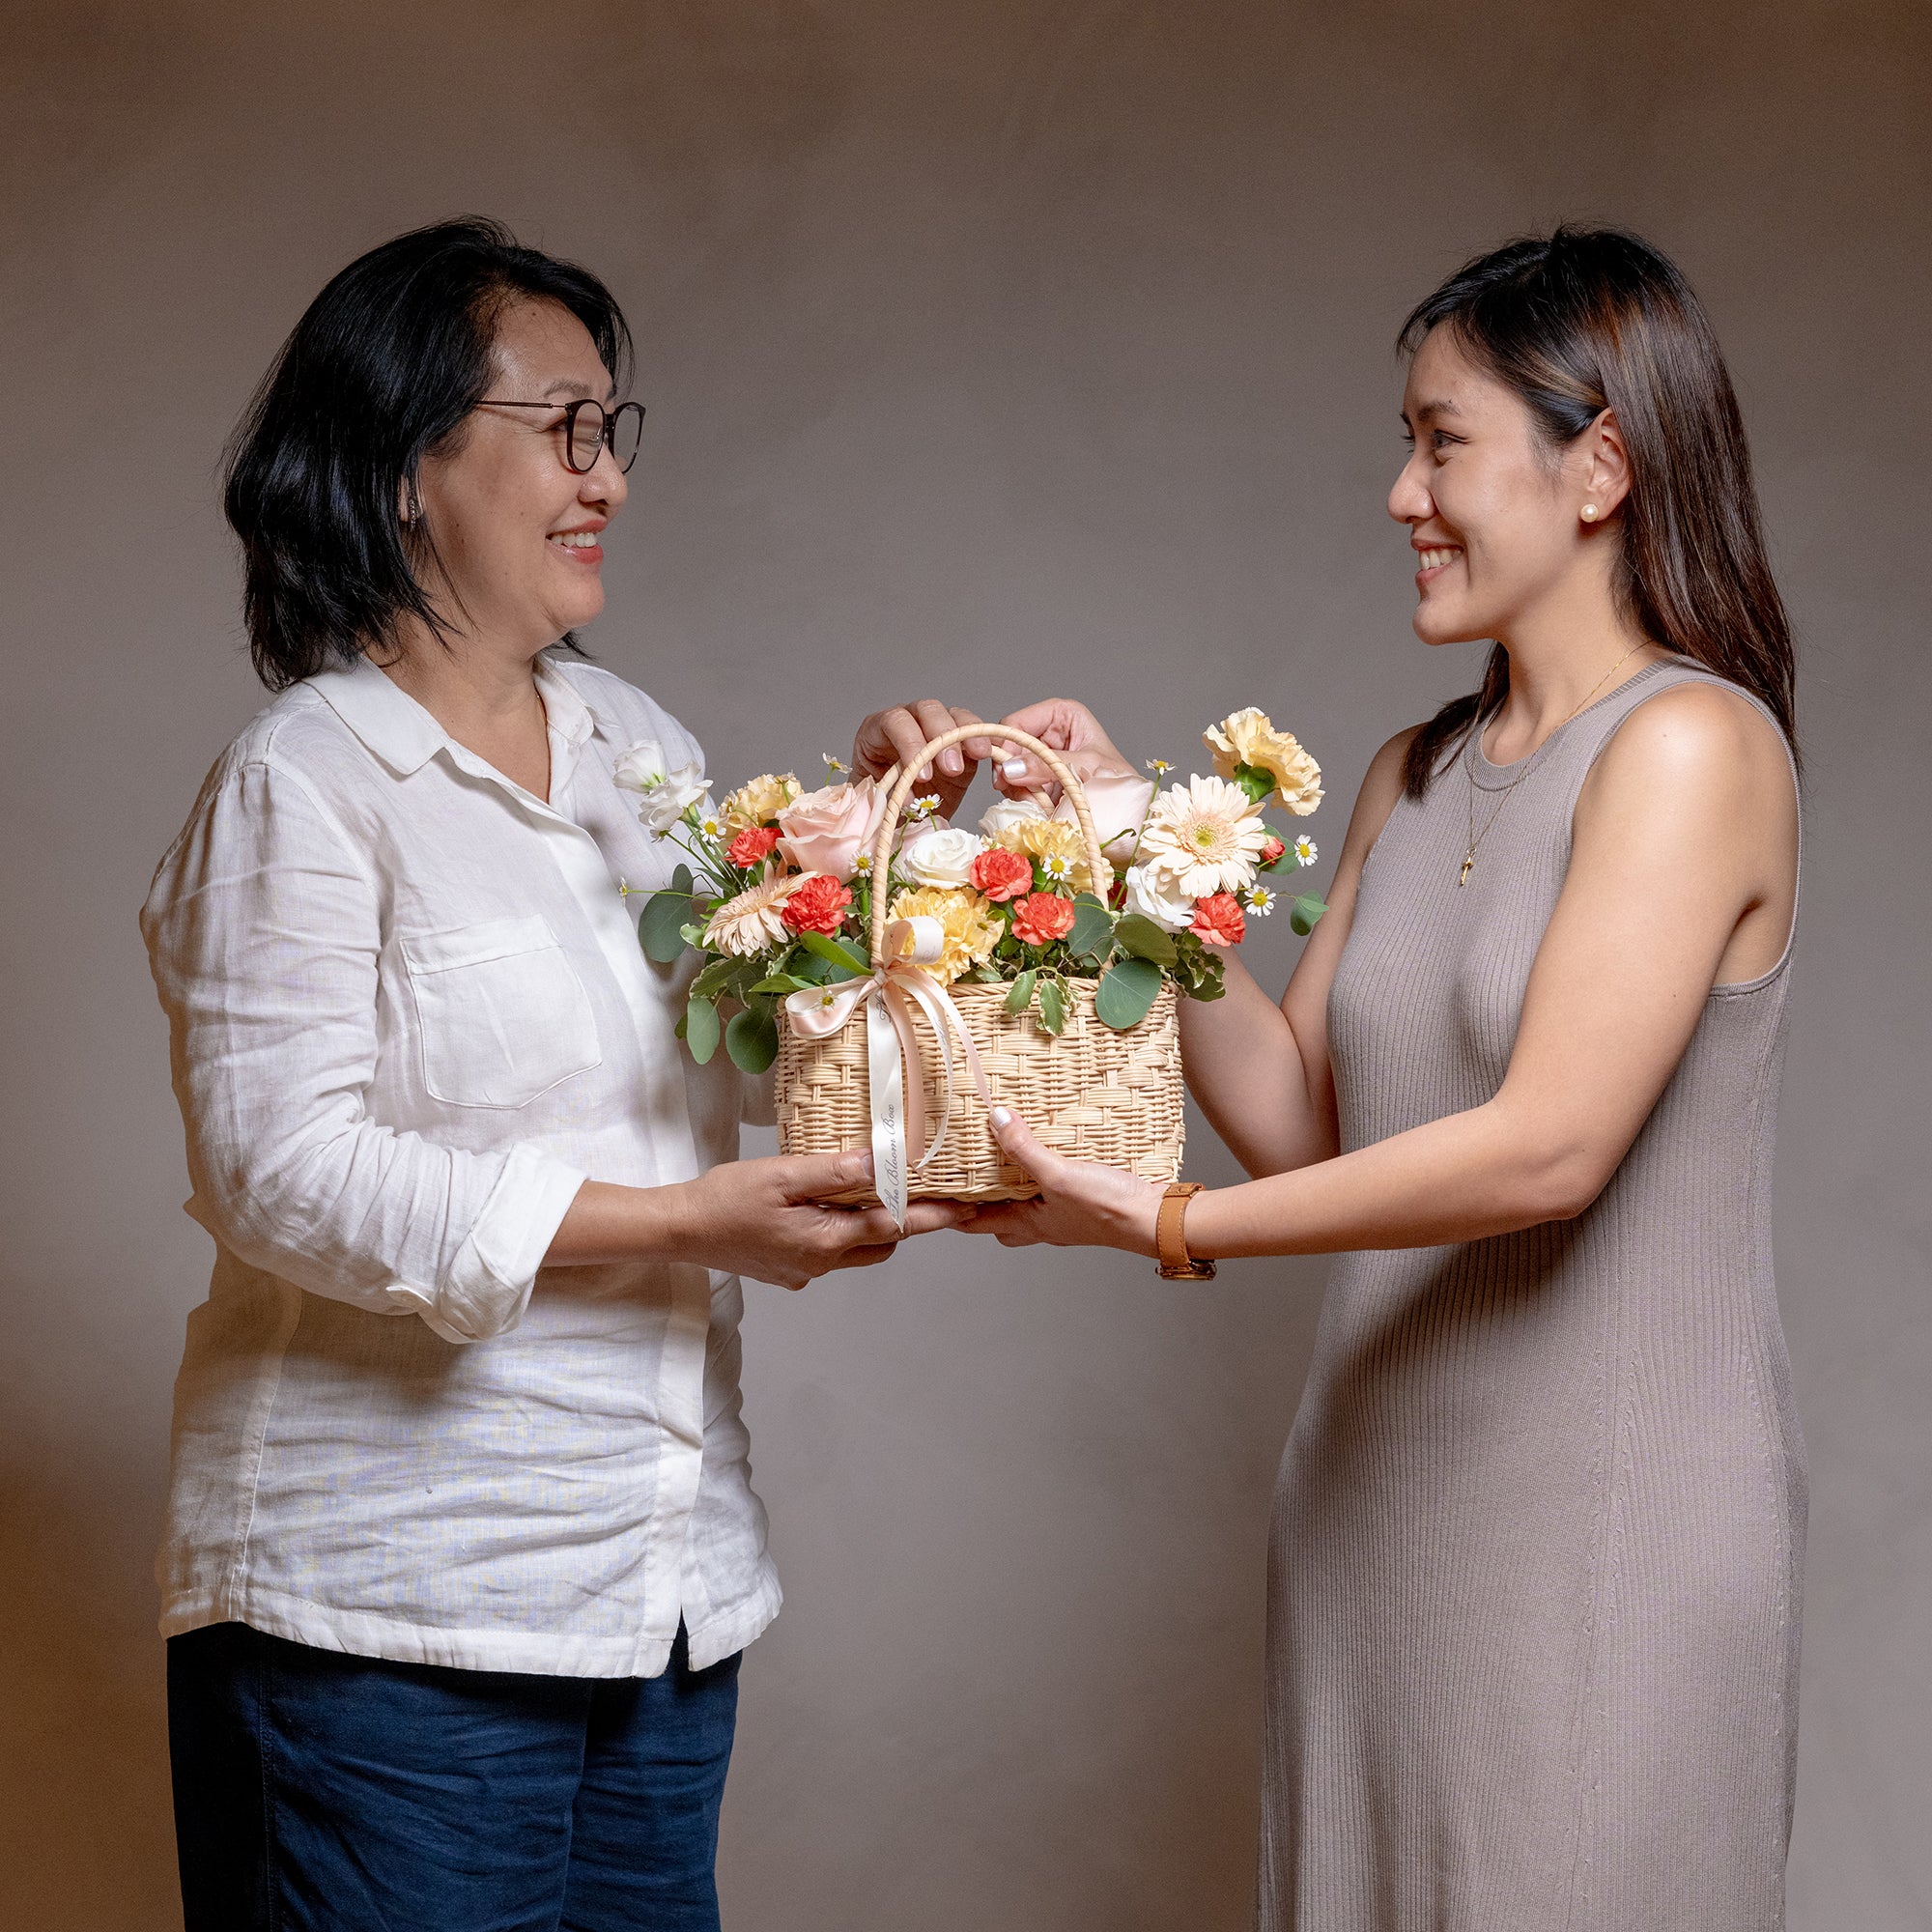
[1487, 776]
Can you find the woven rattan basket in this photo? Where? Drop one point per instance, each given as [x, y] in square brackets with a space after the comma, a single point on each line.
[1090, 1093]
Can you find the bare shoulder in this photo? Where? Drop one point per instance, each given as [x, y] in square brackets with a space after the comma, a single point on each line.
[1696, 742]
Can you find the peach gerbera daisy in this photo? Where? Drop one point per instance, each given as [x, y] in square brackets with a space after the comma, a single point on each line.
[1207, 836]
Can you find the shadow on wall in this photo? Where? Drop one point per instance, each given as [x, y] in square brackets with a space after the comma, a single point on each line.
[88, 1839]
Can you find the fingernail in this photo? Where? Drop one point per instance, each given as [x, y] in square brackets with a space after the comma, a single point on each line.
[866, 1166]
[1014, 769]
[1001, 1117]
[952, 761]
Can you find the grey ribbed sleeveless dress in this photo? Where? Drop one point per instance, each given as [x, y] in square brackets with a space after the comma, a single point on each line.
[1535, 1554]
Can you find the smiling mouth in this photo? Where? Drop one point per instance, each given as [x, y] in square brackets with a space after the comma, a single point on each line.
[1437, 556]
[580, 543]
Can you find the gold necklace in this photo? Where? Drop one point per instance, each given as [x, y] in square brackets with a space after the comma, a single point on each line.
[1535, 758]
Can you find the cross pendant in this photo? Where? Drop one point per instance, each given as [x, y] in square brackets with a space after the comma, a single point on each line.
[1467, 863]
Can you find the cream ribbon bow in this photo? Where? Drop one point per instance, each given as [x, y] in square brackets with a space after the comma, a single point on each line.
[888, 996]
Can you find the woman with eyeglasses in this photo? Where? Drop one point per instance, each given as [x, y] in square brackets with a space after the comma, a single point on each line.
[462, 1550]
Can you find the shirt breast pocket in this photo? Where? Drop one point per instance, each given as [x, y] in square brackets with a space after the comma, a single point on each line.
[502, 1014]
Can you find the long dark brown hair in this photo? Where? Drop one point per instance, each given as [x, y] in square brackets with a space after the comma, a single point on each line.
[1593, 319]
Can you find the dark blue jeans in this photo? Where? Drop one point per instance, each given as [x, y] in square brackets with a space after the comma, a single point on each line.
[316, 1792]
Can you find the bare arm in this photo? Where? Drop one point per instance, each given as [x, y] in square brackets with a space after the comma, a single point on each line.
[1681, 872]
[1261, 1071]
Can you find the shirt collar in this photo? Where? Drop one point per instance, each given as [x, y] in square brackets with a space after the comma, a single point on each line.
[400, 732]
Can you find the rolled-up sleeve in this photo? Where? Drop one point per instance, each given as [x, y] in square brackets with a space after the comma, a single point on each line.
[264, 931]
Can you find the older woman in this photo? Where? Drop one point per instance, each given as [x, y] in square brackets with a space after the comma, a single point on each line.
[462, 1550]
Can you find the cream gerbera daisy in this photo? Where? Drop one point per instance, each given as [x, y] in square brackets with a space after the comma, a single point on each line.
[750, 923]
[761, 801]
[1248, 738]
[1207, 835]
[1055, 846]
[966, 918]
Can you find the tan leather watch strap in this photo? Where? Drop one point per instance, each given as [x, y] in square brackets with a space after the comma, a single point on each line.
[1170, 1235]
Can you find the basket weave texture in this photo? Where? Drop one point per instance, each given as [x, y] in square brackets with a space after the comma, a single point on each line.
[1091, 1095]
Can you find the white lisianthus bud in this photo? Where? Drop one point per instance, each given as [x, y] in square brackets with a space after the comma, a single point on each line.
[940, 855]
[1154, 892]
[665, 791]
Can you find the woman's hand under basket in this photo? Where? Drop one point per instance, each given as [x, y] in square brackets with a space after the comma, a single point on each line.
[1082, 1203]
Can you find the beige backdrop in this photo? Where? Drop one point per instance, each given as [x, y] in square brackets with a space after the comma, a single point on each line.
[991, 349]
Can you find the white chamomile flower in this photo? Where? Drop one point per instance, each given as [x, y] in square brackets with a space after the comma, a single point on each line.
[924, 807]
[1258, 901]
[1057, 866]
[833, 764]
[1159, 767]
[862, 863]
[709, 820]
[1304, 850]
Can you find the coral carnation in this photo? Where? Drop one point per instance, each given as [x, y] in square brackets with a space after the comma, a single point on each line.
[817, 905]
[752, 846]
[1218, 920]
[1041, 917]
[1001, 875]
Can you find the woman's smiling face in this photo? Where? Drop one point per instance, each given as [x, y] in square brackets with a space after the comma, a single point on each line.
[516, 530]
[1491, 509]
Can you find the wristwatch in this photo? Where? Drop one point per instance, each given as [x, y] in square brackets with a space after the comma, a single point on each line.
[1170, 1235]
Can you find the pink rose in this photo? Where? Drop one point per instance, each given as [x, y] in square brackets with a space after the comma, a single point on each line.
[1119, 803]
[827, 831]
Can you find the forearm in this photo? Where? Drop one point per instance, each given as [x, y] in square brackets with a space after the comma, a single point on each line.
[1245, 1068]
[1460, 1179]
[610, 1223]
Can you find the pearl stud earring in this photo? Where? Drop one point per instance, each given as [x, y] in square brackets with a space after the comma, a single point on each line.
[1589, 513]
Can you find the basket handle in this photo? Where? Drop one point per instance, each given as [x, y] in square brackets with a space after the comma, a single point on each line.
[882, 844]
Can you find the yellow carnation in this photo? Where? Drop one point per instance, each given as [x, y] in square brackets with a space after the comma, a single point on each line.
[1248, 738]
[965, 917]
[760, 802]
[1055, 846]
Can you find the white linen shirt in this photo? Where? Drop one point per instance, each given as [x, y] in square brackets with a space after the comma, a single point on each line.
[410, 1016]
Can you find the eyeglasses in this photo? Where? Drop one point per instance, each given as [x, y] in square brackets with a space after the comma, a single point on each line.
[588, 429]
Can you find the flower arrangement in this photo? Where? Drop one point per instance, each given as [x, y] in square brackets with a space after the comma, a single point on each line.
[776, 890]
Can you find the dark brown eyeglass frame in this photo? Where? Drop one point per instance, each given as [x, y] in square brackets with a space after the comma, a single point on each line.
[606, 438]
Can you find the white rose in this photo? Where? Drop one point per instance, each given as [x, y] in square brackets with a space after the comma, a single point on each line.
[1004, 814]
[665, 791]
[1154, 892]
[940, 855]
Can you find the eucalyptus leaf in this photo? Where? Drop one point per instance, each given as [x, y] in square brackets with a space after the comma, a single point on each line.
[1021, 996]
[835, 953]
[681, 880]
[1303, 913]
[1145, 940]
[1255, 781]
[1125, 993]
[662, 922]
[814, 971]
[751, 1040]
[1092, 928]
[701, 1030]
[1052, 1007]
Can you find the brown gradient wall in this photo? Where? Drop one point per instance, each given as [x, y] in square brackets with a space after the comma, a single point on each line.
[991, 349]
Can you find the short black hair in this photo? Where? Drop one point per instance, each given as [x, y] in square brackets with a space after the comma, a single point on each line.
[384, 367]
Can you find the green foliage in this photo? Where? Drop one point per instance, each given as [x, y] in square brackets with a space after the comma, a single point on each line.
[1021, 996]
[1303, 913]
[835, 952]
[1145, 940]
[1052, 994]
[1127, 989]
[661, 927]
[752, 1039]
[701, 1030]
[1091, 934]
